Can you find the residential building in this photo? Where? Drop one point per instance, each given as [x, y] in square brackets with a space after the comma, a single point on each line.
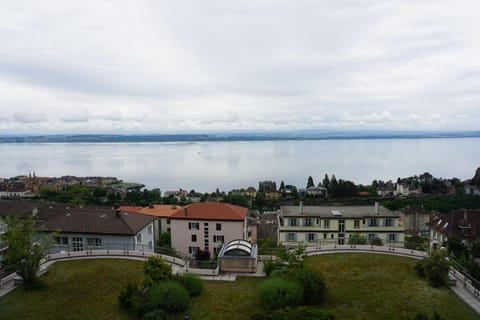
[206, 226]
[313, 225]
[81, 228]
[416, 220]
[461, 223]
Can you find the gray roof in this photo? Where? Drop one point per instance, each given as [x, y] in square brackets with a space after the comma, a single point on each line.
[337, 211]
[60, 217]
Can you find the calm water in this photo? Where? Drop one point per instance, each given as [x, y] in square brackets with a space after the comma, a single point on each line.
[204, 166]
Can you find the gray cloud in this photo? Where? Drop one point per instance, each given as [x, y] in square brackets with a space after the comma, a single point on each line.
[30, 117]
[251, 65]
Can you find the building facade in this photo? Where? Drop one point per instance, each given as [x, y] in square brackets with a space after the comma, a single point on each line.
[207, 226]
[317, 225]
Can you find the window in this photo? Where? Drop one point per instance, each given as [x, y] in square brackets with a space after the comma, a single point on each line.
[293, 222]
[77, 243]
[318, 222]
[61, 241]
[168, 221]
[291, 236]
[311, 237]
[150, 229]
[326, 223]
[388, 222]
[372, 222]
[193, 226]
[94, 242]
[193, 250]
[371, 236]
[356, 224]
[218, 239]
[308, 222]
[219, 227]
[194, 237]
[392, 237]
[324, 236]
[332, 236]
[139, 238]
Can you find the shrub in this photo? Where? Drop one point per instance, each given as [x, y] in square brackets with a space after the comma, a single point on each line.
[155, 269]
[314, 288]
[434, 268]
[269, 266]
[277, 292]
[423, 316]
[192, 283]
[376, 242]
[357, 239]
[126, 294]
[168, 296]
[156, 315]
[300, 313]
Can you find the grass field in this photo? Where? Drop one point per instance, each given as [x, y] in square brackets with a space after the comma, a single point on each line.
[77, 289]
[360, 286]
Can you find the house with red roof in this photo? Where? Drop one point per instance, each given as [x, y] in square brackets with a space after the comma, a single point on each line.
[206, 226]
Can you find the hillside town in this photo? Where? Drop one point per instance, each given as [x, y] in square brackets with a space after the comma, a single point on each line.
[224, 232]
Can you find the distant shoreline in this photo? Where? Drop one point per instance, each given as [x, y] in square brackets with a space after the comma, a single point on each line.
[107, 138]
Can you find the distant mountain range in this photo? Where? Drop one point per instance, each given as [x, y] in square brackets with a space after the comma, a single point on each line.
[244, 136]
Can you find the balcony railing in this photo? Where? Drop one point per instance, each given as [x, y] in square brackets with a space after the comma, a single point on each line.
[3, 228]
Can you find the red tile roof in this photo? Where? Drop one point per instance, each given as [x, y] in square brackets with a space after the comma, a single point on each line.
[211, 211]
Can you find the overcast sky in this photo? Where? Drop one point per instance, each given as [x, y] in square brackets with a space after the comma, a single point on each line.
[192, 66]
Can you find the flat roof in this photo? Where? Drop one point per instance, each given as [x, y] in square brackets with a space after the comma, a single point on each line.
[337, 211]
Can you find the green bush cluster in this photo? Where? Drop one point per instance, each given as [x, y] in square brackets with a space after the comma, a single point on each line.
[278, 292]
[290, 284]
[163, 294]
[434, 268]
[168, 296]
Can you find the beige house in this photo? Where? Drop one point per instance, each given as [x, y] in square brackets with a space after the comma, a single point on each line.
[314, 225]
[207, 226]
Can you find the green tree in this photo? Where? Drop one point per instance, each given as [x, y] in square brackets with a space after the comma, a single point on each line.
[357, 239]
[155, 269]
[310, 182]
[434, 268]
[326, 182]
[26, 248]
[456, 247]
[165, 240]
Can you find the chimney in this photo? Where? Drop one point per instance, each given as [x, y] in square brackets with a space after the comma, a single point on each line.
[117, 212]
[174, 206]
[185, 211]
[300, 207]
[376, 207]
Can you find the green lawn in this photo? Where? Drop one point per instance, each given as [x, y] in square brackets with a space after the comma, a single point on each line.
[360, 286]
[79, 289]
[375, 286]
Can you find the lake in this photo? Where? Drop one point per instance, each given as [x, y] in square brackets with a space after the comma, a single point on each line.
[205, 166]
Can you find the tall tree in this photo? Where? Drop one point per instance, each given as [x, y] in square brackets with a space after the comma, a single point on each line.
[326, 182]
[282, 187]
[26, 248]
[310, 182]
